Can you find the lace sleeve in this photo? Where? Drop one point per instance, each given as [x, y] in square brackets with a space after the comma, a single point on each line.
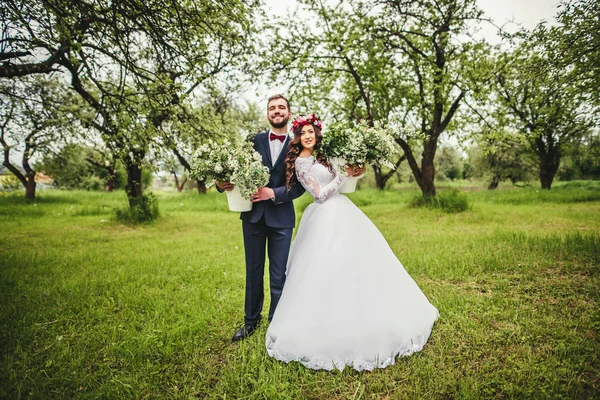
[306, 176]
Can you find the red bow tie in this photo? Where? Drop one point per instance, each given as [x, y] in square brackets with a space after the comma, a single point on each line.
[273, 136]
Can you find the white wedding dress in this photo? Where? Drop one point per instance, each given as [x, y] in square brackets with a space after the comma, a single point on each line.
[347, 300]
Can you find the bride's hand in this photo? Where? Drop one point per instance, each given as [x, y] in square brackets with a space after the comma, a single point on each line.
[360, 171]
[355, 170]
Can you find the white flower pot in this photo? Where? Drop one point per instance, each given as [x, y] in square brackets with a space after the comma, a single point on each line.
[236, 201]
[349, 185]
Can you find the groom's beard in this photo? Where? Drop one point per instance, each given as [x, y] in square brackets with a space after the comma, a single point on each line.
[281, 124]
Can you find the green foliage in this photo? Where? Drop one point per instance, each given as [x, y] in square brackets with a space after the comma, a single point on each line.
[581, 159]
[141, 210]
[69, 168]
[147, 178]
[516, 286]
[574, 41]
[10, 183]
[451, 201]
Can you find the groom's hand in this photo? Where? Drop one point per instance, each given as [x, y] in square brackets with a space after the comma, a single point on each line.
[226, 186]
[263, 193]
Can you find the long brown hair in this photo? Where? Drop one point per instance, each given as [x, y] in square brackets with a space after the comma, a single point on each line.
[294, 151]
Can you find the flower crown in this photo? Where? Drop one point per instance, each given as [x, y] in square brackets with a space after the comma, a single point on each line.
[310, 119]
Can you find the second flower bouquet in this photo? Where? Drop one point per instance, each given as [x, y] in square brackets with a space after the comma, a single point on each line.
[233, 162]
[358, 145]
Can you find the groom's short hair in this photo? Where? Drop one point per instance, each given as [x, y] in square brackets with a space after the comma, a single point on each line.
[278, 96]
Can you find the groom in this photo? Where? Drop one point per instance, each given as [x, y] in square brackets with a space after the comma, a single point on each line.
[270, 223]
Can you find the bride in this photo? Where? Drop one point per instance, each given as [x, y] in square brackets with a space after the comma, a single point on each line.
[347, 300]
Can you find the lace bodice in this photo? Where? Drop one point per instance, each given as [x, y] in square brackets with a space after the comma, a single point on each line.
[317, 179]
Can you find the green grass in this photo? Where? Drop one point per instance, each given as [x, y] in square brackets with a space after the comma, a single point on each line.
[90, 308]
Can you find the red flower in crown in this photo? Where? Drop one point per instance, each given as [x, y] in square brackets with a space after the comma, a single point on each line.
[310, 119]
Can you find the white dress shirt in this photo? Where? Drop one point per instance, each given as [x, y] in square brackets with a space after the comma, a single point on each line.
[276, 146]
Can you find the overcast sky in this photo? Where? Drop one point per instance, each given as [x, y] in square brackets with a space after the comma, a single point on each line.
[526, 13]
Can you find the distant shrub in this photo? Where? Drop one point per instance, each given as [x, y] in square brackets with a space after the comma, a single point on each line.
[453, 173]
[467, 172]
[451, 201]
[92, 182]
[143, 210]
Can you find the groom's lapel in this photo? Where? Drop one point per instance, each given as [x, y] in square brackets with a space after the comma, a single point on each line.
[283, 151]
[266, 151]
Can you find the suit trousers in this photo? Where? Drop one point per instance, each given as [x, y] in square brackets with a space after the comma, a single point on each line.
[259, 237]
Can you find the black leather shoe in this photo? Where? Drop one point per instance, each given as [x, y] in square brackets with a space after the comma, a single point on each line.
[243, 332]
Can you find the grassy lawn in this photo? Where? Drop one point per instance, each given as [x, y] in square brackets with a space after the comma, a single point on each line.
[90, 308]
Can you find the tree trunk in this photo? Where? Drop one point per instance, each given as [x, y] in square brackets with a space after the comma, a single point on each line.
[30, 187]
[380, 179]
[28, 180]
[427, 182]
[201, 187]
[111, 178]
[547, 173]
[109, 186]
[494, 183]
[412, 163]
[179, 186]
[134, 183]
[549, 154]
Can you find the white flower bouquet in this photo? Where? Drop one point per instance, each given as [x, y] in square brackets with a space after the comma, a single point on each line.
[249, 172]
[358, 145]
[228, 161]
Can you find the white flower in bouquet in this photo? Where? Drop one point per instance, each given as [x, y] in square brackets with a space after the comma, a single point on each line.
[213, 161]
[380, 145]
